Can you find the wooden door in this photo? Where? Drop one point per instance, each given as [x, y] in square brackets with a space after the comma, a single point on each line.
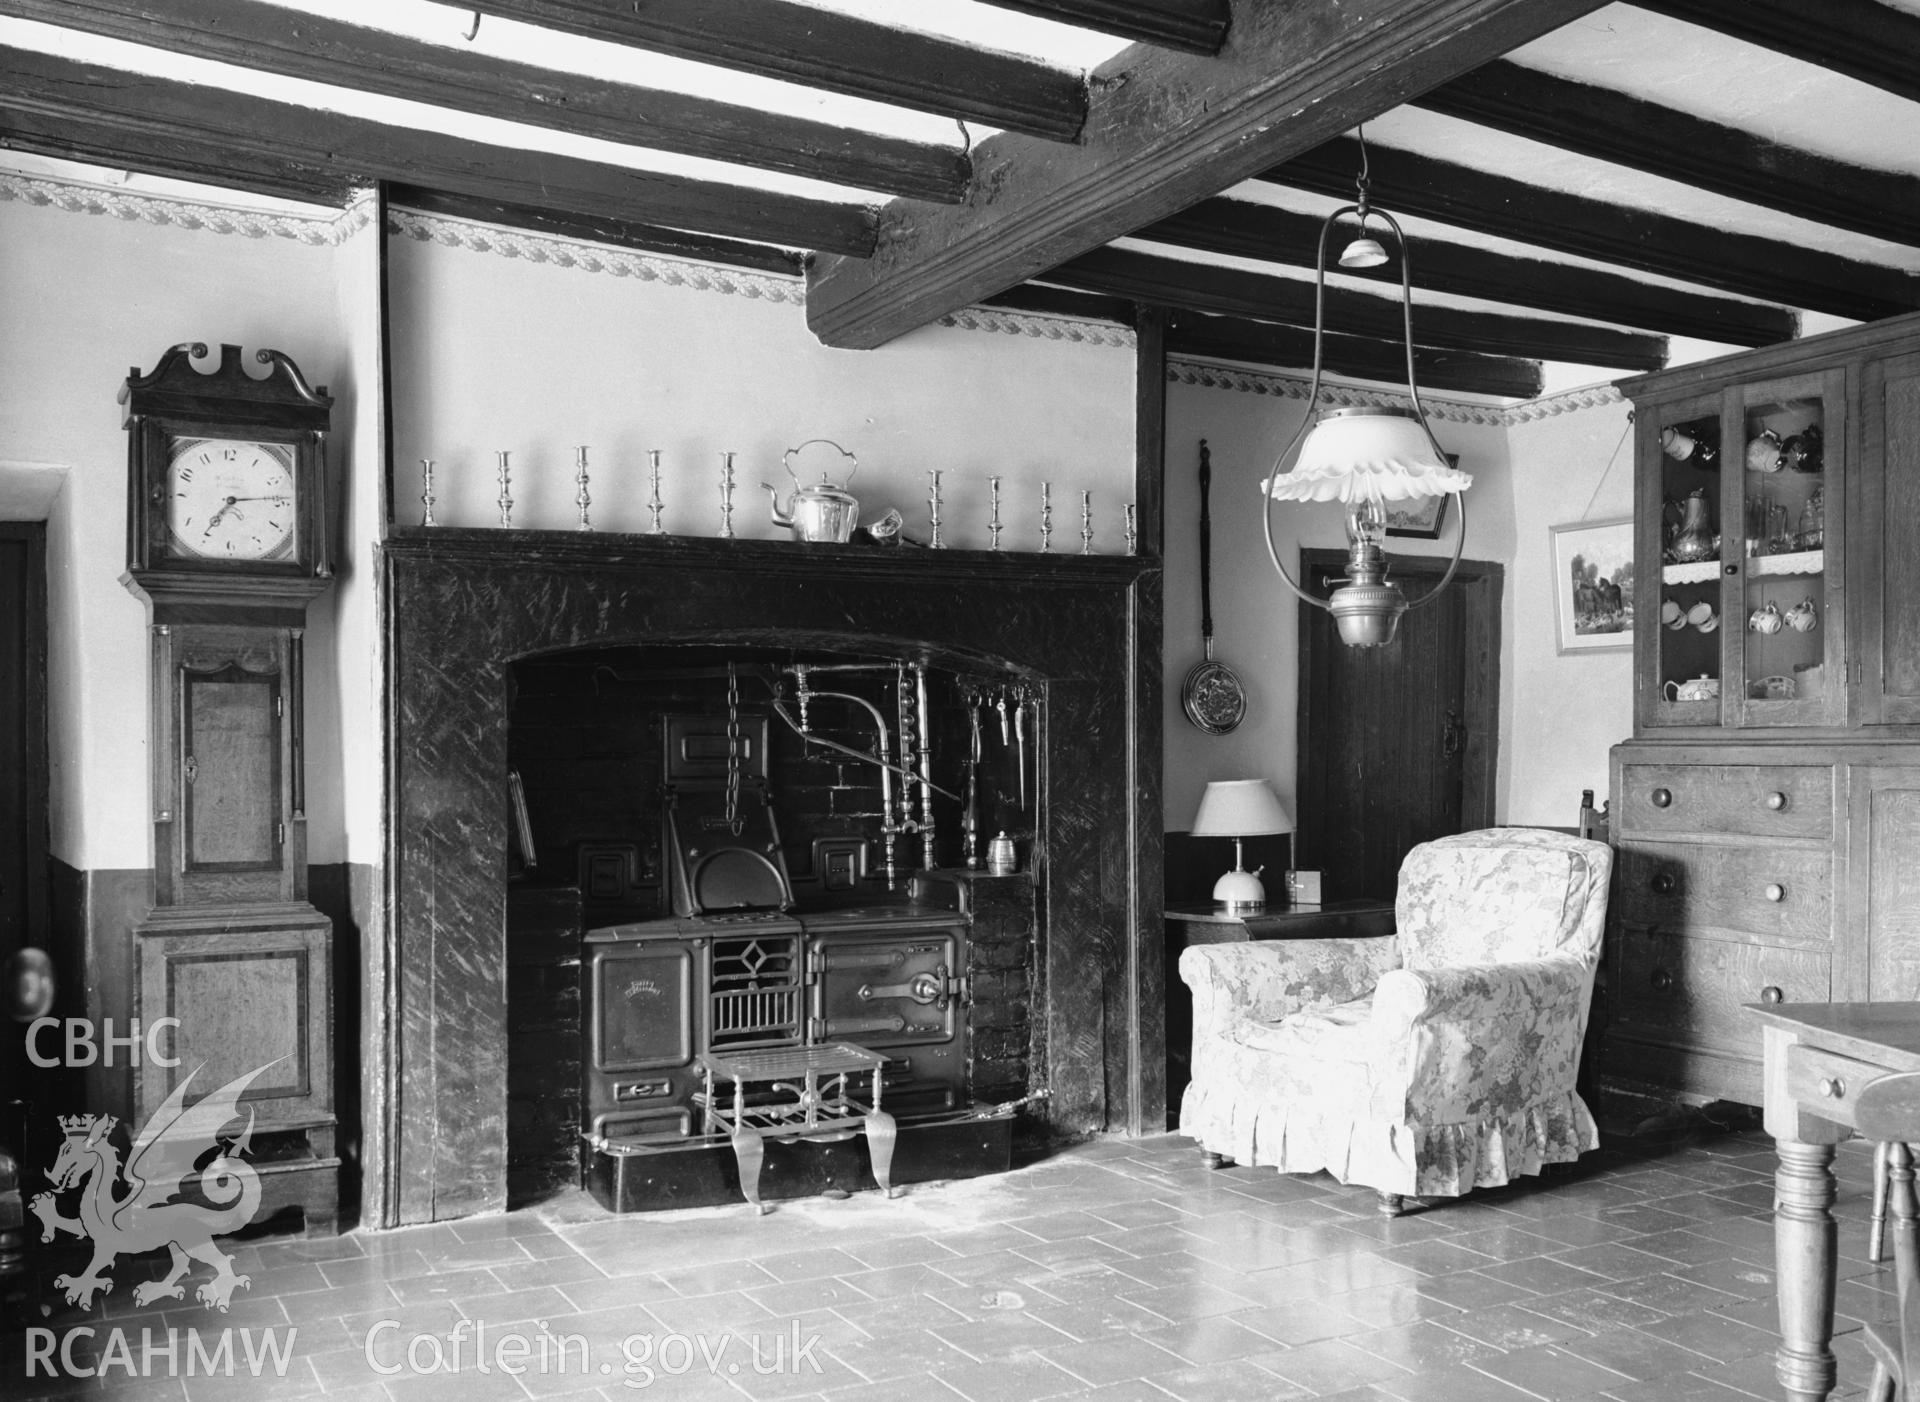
[1883, 885]
[1397, 744]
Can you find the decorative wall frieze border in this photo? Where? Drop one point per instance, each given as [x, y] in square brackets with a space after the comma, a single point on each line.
[1207, 375]
[1045, 325]
[91, 197]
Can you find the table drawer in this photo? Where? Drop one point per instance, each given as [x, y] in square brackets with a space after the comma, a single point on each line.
[1691, 991]
[1762, 800]
[1827, 1084]
[1773, 892]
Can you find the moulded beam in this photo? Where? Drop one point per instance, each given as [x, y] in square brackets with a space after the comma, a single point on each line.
[114, 117]
[322, 50]
[1244, 229]
[1174, 282]
[1863, 39]
[1164, 130]
[1197, 26]
[1610, 233]
[1611, 126]
[823, 49]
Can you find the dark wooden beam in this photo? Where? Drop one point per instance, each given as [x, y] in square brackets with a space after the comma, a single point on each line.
[1164, 130]
[304, 45]
[1197, 26]
[822, 49]
[1407, 183]
[1351, 357]
[1863, 39]
[114, 117]
[1172, 282]
[1244, 229]
[1610, 126]
[616, 233]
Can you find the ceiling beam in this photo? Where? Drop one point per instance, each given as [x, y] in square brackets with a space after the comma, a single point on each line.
[1351, 357]
[109, 116]
[1164, 130]
[1610, 126]
[1863, 39]
[1247, 230]
[1407, 183]
[303, 45]
[1173, 282]
[823, 49]
[1195, 26]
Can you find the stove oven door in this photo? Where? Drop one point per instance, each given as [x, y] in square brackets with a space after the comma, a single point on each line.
[643, 1030]
[901, 992]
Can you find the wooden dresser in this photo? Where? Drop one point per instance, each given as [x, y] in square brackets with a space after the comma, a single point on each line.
[1768, 835]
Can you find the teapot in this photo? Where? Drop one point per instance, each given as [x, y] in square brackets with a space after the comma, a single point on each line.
[1765, 620]
[1763, 452]
[818, 511]
[1701, 688]
[1691, 537]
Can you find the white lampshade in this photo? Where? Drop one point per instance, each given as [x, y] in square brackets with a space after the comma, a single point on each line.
[1367, 454]
[1240, 808]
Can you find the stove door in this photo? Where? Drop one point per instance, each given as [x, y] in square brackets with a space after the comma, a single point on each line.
[887, 990]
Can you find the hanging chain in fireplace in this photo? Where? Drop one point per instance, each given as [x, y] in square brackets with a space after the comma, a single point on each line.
[733, 750]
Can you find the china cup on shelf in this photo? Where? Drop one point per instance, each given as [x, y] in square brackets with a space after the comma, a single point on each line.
[1804, 616]
[1765, 620]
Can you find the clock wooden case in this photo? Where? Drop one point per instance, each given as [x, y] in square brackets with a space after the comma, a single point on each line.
[227, 546]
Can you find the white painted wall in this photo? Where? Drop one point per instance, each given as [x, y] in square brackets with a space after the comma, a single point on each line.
[1565, 712]
[496, 353]
[1255, 619]
[83, 298]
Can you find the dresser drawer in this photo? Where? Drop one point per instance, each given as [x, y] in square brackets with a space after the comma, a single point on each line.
[1773, 892]
[1692, 991]
[1763, 800]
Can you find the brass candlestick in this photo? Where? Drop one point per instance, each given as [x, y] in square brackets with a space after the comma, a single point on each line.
[426, 491]
[1133, 532]
[656, 506]
[933, 505]
[505, 498]
[993, 520]
[1086, 523]
[726, 496]
[1046, 517]
[580, 497]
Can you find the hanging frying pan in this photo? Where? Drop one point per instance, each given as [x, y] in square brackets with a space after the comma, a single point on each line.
[1212, 695]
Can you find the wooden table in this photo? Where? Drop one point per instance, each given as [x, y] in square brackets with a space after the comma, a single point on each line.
[1819, 1056]
[823, 1107]
[1207, 922]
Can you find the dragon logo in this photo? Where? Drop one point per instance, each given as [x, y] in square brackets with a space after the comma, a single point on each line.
[147, 1216]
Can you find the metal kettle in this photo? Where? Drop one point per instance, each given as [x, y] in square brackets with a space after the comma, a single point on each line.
[1690, 530]
[816, 511]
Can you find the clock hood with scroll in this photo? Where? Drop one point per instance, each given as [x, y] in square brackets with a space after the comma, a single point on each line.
[226, 477]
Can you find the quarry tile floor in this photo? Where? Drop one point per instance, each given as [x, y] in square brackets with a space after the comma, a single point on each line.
[1119, 1270]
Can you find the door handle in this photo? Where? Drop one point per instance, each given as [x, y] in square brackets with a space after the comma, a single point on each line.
[1453, 736]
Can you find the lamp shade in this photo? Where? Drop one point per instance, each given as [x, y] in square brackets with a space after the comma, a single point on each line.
[1367, 454]
[1240, 808]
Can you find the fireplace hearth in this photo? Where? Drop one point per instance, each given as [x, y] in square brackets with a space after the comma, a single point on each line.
[528, 652]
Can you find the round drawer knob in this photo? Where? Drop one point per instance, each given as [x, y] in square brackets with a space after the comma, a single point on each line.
[1832, 1087]
[1662, 980]
[1771, 994]
[1662, 883]
[1732, 570]
[1662, 798]
[1776, 801]
[1775, 892]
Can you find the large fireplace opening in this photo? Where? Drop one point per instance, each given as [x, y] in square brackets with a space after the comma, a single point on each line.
[763, 851]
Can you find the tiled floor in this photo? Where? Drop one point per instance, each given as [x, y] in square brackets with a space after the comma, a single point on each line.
[1120, 1270]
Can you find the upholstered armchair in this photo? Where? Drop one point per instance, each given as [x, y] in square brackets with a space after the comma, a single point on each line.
[1425, 1063]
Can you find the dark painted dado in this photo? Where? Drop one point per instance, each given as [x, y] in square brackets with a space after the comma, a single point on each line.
[464, 605]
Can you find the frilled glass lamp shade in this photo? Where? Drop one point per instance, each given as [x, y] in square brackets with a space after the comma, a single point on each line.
[1240, 808]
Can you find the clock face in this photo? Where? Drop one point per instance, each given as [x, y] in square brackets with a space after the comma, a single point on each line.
[228, 499]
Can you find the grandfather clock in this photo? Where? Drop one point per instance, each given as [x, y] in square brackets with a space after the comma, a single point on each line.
[226, 544]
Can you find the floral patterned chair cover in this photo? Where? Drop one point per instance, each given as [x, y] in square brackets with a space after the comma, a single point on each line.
[1425, 1063]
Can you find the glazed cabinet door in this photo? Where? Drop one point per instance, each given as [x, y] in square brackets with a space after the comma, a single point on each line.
[1785, 553]
[1679, 644]
[1887, 557]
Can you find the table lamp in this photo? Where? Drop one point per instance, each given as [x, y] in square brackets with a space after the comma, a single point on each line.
[1240, 808]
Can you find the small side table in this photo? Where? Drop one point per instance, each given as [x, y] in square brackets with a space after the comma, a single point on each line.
[823, 1105]
[1205, 922]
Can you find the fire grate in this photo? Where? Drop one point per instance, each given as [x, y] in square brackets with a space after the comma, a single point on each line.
[756, 991]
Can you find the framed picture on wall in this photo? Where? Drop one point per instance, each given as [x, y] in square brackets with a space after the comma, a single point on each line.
[1593, 585]
[1423, 518]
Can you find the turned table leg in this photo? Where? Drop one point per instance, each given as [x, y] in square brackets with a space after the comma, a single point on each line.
[1805, 1242]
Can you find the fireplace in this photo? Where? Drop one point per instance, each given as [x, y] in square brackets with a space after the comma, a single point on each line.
[1056, 968]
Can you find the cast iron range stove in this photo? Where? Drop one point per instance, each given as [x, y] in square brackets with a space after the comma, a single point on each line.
[738, 969]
